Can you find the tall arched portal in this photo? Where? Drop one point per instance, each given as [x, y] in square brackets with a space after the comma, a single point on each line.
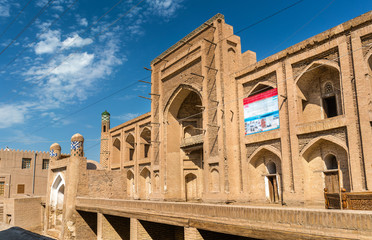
[185, 137]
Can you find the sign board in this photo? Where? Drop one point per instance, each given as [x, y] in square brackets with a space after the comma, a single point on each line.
[261, 112]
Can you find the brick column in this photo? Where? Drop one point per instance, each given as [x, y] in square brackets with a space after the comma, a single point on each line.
[192, 234]
[99, 226]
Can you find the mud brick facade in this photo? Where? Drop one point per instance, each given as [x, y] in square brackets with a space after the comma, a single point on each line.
[189, 170]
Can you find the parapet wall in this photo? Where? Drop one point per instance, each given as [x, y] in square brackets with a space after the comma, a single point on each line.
[249, 221]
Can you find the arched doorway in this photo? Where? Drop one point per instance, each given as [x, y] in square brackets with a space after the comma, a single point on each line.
[191, 187]
[264, 171]
[130, 184]
[145, 184]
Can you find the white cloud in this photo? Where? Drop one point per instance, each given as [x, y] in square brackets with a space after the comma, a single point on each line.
[126, 116]
[56, 4]
[164, 8]
[12, 114]
[76, 41]
[83, 22]
[51, 40]
[71, 79]
[4, 8]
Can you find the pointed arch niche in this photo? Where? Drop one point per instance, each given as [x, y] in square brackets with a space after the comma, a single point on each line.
[116, 153]
[264, 175]
[325, 165]
[145, 142]
[130, 147]
[144, 184]
[318, 91]
[130, 184]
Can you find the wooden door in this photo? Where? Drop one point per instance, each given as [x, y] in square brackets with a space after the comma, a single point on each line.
[332, 182]
[273, 189]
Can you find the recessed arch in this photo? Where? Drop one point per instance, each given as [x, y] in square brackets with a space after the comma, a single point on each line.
[214, 185]
[184, 111]
[130, 183]
[145, 183]
[56, 199]
[318, 91]
[331, 139]
[317, 64]
[191, 187]
[261, 87]
[260, 150]
[330, 162]
[368, 58]
[180, 92]
[271, 167]
[325, 165]
[264, 170]
[116, 150]
[145, 142]
[130, 147]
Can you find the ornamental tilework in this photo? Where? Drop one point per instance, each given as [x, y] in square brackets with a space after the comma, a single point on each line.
[52, 153]
[75, 145]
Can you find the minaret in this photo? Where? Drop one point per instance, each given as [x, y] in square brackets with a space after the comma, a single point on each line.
[105, 128]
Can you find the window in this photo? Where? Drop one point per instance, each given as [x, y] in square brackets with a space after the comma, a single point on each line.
[45, 164]
[26, 163]
[131, 153]
[20, 188]
[330, 106]
[146, 149]
[2, 184]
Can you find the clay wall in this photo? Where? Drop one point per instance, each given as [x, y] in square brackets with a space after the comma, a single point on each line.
[12, 174]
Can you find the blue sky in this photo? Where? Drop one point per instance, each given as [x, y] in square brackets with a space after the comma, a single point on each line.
[55, 72]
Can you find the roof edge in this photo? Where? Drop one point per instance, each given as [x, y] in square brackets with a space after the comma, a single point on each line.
[188, 36]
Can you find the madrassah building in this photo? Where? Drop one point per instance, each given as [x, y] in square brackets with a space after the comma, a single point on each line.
[232, 148]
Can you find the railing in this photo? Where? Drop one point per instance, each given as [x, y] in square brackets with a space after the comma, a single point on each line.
[354, 200]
